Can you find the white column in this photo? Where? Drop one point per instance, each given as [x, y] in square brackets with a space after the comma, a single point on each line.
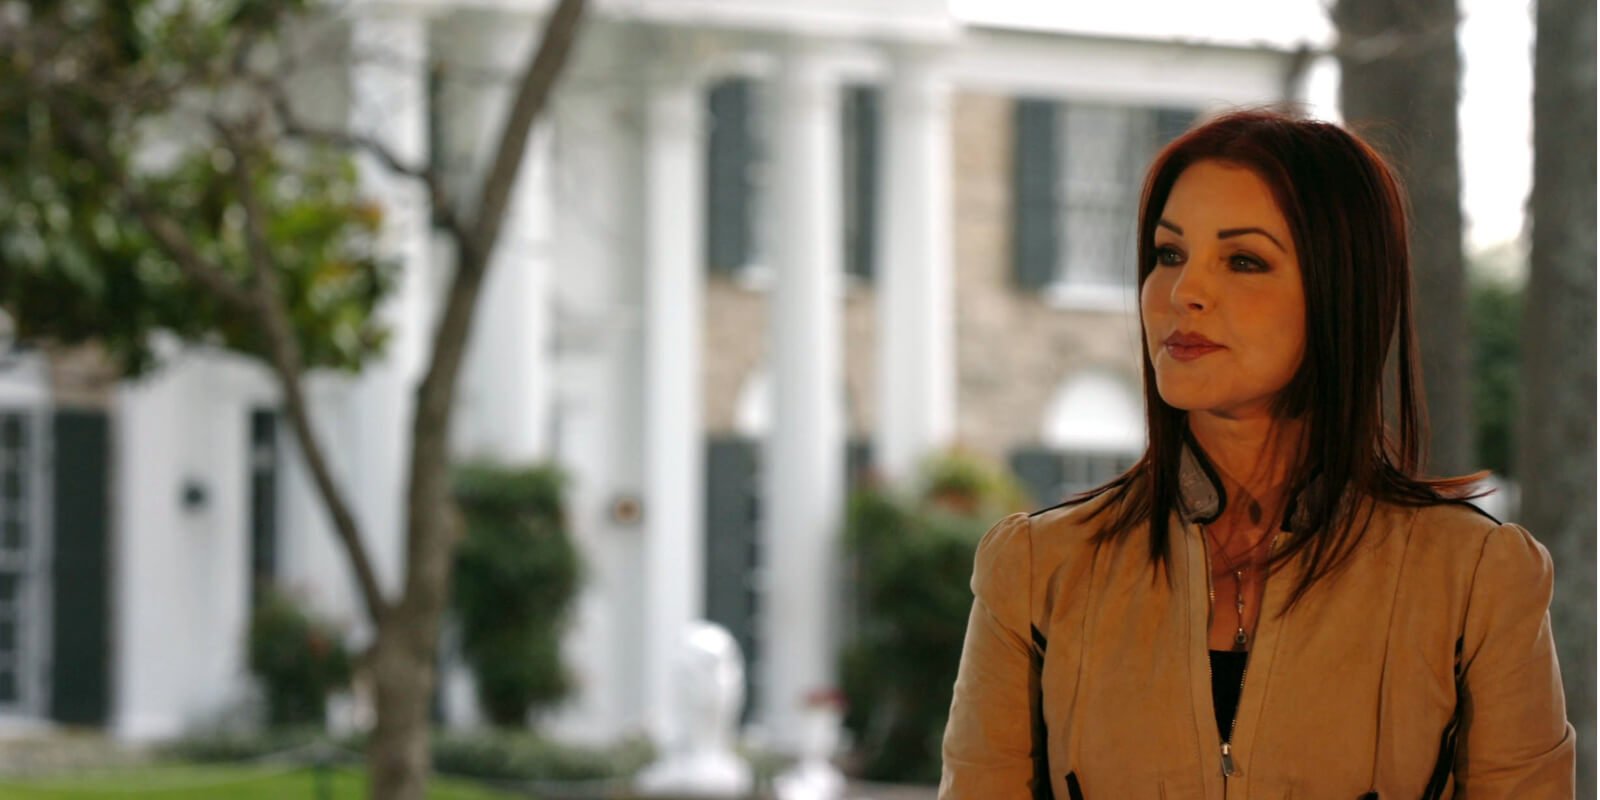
[804, 460]
[596, 169]
[915, 297]
[674, 469]
[505, 395]
[388, 101]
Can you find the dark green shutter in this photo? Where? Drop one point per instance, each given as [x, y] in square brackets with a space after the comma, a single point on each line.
[730, 158]
[862, 118]
[1036, 240]
[1042, 471]
[732, 547]
[79, 580]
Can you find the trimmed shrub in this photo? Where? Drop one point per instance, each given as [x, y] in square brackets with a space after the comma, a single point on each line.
[297, 659]
[516, 575]
[912, 558]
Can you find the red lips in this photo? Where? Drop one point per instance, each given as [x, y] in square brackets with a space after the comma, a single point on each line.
[1183, 339]
[1188, 346]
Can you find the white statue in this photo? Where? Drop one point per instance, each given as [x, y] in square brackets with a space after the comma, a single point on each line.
[815, 777]
[708, 675]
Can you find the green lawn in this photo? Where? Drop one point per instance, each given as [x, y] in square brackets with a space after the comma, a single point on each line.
[188, 782]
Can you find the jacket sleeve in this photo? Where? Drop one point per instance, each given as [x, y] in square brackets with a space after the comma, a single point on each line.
[1515, 739]
[990, 741]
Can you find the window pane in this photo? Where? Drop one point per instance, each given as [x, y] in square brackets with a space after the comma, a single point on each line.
[8, 685]
[8, 636]
[1105, 151]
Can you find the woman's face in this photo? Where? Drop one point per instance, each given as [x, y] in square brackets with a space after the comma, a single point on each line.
[1224, 307]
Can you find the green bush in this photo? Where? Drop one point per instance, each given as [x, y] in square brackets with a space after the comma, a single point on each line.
[518, 756]
[212, 747]
[297, 659]
[516, 575]
[491, 756]
[912, 558]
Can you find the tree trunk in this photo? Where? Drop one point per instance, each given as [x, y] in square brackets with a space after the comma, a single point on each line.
[398, 761]
[402, 658]
[1400, 87]
[1556, 456]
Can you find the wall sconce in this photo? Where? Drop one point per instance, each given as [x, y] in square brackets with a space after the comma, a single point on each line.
[194, 495]
[626, 509]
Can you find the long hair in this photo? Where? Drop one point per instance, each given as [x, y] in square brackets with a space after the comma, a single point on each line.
[1347, 213]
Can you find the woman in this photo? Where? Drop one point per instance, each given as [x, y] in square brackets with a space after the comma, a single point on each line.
[1271, 603]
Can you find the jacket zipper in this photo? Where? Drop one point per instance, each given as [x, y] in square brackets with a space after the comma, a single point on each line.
[1229, 767]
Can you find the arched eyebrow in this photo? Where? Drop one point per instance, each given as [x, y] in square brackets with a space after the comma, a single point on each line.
[1231, 232]
[1225, 233]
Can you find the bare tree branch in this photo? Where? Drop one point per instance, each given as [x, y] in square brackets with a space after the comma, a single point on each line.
[533, 92]
[296, 128]
[427, 562]
[284, 354]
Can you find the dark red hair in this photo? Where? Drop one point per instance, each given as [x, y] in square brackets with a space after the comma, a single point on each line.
[1347, 213]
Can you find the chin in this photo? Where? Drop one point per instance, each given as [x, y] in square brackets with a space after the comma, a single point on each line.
[1184, 397]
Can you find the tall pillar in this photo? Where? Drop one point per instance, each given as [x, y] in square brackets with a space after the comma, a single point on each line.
[674, 441]
[389, 101]
[915, 296]
[804, 458]
[505, 407]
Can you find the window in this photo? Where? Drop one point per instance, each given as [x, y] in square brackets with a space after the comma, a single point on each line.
[1093, 432]
[1078, 173]
[263, 477]
[1107, 148]
[737, 156]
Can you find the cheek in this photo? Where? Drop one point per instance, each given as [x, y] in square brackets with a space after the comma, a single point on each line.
[1288, 330]
[1151, 307]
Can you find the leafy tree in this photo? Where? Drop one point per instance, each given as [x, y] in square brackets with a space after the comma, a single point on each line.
[155, 177]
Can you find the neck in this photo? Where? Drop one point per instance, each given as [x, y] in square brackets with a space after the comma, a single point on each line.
[1254, 457]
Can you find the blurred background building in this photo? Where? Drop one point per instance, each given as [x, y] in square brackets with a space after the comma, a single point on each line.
[760, 251]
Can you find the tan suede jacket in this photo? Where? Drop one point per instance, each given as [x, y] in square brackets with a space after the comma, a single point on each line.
[1424, 669]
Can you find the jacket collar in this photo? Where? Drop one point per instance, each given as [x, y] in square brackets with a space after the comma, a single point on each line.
[1202, 498]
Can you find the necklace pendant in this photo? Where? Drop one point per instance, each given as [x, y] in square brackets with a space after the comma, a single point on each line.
[1241, 638]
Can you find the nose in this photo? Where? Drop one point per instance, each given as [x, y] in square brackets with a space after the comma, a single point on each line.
[1191, 290]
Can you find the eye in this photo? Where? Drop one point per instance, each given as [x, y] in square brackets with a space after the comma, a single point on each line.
[1243, 262]
[1168, 256]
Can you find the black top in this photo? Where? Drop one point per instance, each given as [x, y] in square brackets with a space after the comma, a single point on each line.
[1227, 678]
